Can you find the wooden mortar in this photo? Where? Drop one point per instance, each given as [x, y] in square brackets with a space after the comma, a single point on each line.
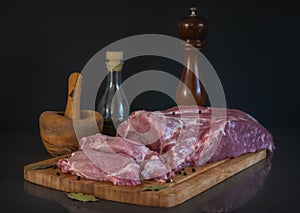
[57, 127]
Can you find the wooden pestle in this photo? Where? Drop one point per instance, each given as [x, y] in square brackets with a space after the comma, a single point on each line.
[74, 92]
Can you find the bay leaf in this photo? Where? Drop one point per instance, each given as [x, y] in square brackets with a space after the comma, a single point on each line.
[82, 197]
[42, 166]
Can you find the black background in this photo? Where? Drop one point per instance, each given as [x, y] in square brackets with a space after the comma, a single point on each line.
[253, 46]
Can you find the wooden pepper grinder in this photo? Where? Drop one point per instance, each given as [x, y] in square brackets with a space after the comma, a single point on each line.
[192, 30]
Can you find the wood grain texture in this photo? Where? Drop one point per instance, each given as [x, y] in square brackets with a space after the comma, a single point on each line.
[58, 134]
[57, 128]
[192, 30]
[181, 189]
[72, 110]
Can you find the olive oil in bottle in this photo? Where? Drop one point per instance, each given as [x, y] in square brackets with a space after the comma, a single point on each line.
[113, 104]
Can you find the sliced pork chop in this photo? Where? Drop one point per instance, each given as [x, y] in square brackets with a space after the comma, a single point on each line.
[101, 166]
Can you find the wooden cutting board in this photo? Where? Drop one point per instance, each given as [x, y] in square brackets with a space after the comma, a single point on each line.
[181, 189]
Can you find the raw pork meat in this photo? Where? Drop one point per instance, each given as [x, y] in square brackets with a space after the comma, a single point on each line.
[104, 143]
[150, 144]
[195, 135]
[152, 165]
[118, 169]
[121, 161]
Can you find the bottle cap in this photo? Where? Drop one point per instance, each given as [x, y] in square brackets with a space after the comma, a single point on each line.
[193, 11]
[114, 55]
[114, 60]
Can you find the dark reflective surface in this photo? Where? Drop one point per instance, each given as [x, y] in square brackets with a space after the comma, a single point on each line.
[256, 189]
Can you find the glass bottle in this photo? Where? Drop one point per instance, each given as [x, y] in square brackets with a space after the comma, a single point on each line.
[113, 105]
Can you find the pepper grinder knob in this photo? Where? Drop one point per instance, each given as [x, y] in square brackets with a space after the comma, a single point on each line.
[193, 29]
[193, 11]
